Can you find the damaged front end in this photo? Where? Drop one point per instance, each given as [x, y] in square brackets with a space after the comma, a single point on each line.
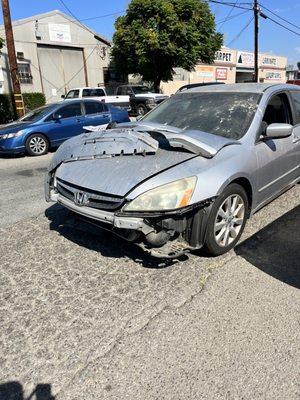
[163, 234]
[93, 174]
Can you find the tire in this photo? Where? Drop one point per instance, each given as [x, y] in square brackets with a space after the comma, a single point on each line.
[224, 227]
[37, 145]
[141, 110]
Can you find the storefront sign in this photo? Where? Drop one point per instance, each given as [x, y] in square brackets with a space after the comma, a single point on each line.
[273, 76]
[221, 74]
[269, 61]
[223, 56]
[60, 33]
[205, 72]
[245, 59]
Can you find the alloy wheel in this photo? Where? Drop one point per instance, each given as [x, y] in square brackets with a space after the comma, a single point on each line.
[37, 145]
[229, 220]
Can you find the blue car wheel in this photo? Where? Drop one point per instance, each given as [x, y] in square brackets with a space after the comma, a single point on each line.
[37, 145]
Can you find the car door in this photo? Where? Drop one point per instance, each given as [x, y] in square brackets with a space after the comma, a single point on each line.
[275, 157]
[66, 122]
[295, 96]
[96, 113]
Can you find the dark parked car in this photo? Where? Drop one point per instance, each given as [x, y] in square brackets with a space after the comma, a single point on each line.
[142, 98]
[52, 124]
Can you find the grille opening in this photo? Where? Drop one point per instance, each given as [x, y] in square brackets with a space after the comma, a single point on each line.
[97, 200]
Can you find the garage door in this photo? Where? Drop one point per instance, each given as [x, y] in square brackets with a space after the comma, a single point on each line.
[61, 70]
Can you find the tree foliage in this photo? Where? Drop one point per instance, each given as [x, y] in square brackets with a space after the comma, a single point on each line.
[156, 36]
[2, 42]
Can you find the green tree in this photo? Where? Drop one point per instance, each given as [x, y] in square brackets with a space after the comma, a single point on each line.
[156, 36]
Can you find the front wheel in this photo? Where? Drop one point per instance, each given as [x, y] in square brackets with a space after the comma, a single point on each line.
[37, 145]
[227, 220]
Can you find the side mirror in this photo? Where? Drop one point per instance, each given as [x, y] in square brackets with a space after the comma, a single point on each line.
[56, 116]
[277, 131]
[63, 96]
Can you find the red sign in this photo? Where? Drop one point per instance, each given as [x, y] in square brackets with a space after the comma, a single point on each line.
[221, 74]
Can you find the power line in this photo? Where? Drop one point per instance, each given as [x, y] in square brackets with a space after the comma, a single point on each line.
[240, 5]
[228, 15]
[240, 33]
[102, 16]
[283, 26]
[68, 9]
[232, 17]
[78, 20]
[89, 18]
[278, 16]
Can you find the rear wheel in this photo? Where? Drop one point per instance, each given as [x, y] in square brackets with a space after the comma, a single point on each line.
[227, 220]
[37, 145]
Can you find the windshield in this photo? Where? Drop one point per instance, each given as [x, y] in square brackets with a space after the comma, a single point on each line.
[220, 113]
[38, 113]
[141, 89]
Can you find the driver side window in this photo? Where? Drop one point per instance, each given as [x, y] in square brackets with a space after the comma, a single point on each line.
[278, 111]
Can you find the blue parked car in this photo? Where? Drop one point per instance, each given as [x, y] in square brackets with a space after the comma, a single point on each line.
[52, 124]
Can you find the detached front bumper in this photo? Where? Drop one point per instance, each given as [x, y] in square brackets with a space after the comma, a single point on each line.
[163, 234]
[110, 218]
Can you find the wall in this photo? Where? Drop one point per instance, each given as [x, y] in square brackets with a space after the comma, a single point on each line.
[230, 66]
[96, 53]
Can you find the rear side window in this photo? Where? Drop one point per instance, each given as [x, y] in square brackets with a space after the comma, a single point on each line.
[71, 110]
[296, 101]
[93, 107]
[73, 94]
[119, 91]
[93, 92]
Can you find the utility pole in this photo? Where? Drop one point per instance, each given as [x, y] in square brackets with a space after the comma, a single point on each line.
[256, 14]
[13, 66]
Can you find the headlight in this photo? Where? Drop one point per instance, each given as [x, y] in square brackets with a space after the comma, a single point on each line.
[11, 135]
[173, 195]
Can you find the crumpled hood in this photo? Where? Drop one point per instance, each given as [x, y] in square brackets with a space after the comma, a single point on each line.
[115, 161]
[118, 175]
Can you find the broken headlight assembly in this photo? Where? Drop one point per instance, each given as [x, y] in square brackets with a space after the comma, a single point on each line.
[170, 196]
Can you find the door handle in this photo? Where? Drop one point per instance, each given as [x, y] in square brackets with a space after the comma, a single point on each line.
[105, 116]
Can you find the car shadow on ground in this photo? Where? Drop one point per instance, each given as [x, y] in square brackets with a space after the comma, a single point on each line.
[275, 249]
[99, 240]
[14, 391]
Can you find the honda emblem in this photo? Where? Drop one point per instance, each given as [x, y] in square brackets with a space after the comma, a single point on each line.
[80, 198]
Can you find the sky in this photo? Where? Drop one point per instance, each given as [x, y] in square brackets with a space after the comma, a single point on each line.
[272, 38]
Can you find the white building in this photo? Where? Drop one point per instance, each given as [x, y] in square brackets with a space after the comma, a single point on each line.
[54, 54]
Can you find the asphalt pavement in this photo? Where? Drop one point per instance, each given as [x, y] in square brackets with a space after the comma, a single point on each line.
[85, 315]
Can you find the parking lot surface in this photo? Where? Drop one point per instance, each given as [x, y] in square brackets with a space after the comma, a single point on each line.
[85, 315]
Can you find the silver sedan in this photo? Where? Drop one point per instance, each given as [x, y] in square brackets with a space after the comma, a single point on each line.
[189, 173]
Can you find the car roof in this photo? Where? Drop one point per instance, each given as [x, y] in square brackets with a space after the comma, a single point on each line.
[80, 99]
[87, 87]
[242, 87]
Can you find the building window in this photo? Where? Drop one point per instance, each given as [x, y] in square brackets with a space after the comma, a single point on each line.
[24, 73]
